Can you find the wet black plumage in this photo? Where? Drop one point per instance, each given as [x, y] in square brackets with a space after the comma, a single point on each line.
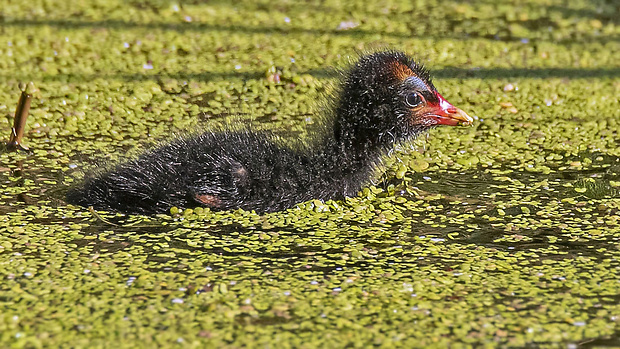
[374, 108]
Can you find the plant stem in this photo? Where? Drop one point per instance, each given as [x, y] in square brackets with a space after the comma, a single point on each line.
[21, 114]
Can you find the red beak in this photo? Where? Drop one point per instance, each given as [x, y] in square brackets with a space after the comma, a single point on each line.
[444, 113]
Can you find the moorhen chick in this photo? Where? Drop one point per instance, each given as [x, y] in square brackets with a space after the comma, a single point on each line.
[383, 99]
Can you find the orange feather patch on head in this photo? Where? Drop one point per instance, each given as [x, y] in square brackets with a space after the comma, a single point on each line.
[403, 71]
[400, 71]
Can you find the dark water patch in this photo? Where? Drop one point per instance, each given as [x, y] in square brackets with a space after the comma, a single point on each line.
[568, 210]
[439, 73]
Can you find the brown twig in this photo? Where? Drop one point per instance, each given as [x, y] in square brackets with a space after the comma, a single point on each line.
[21, 114]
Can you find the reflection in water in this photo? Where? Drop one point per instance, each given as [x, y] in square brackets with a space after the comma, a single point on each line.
[516, 209]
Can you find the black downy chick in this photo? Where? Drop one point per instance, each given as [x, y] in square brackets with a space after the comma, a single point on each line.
[385, 98]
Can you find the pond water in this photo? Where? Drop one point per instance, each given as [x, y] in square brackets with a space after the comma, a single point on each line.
[503, 234]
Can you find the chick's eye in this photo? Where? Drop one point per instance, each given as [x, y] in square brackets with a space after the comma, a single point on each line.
[413, 99]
